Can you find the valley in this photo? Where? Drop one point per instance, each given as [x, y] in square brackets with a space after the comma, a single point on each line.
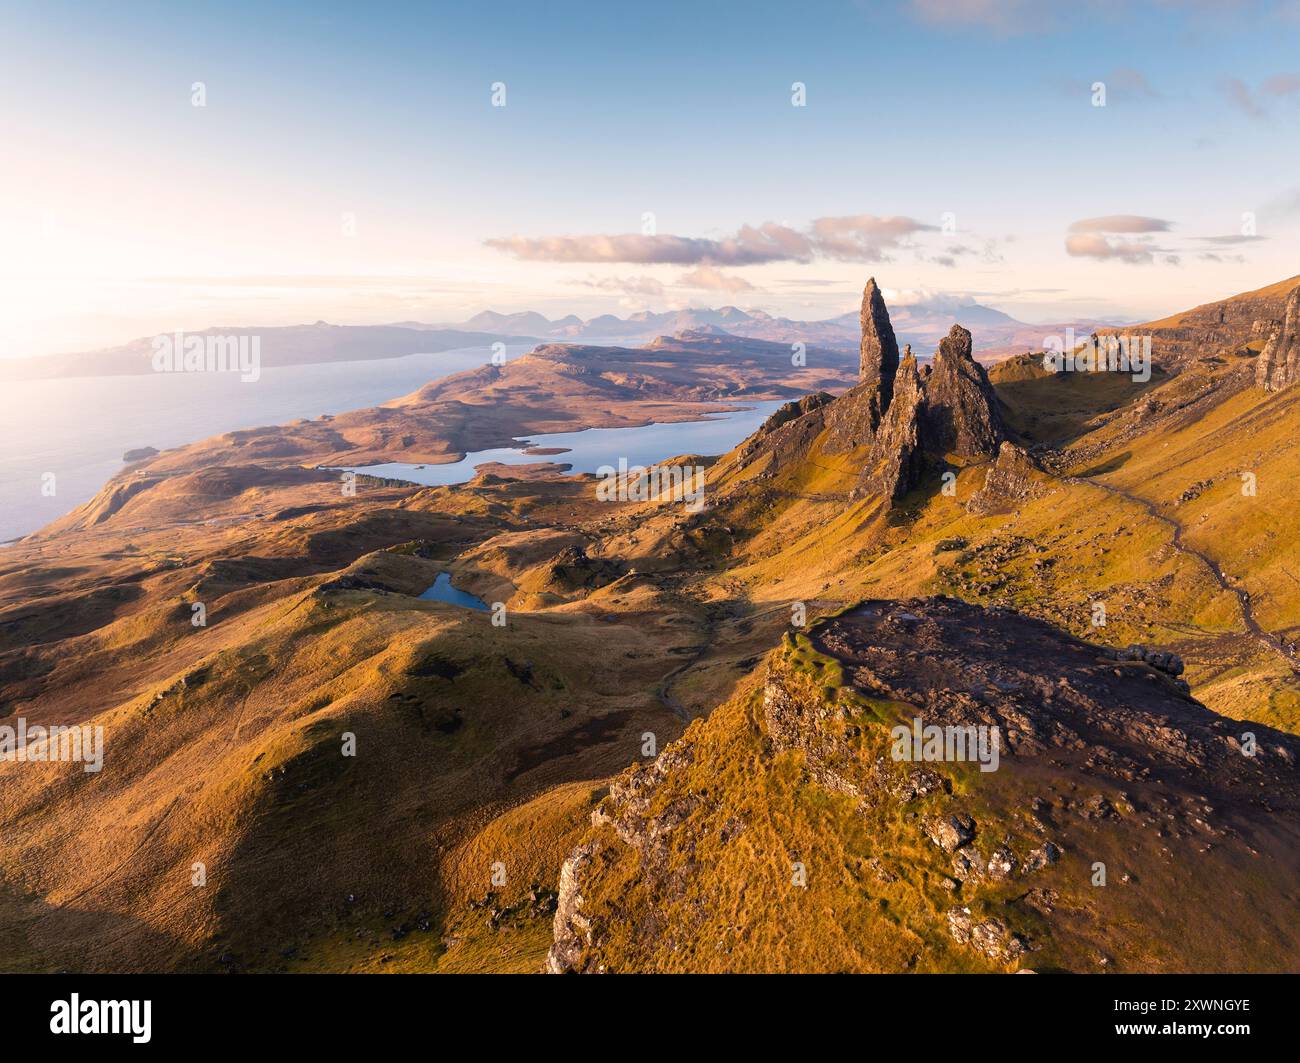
[895, 539]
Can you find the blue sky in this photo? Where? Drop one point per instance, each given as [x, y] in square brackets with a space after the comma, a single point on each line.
[131, 211]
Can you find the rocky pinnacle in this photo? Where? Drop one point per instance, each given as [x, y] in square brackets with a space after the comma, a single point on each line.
[879, 350]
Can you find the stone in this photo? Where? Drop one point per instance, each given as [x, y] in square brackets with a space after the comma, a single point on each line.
[951, 832]
[1002, 863]
[991, 937]
[1045, 855]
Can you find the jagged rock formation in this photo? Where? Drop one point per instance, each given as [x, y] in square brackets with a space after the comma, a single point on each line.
[961, 414]
[857, 414]
[1279, 365]
[878, 351]
[794, 829]
[951, 409]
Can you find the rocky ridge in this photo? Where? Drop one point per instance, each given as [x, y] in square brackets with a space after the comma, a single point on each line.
[1118, 805]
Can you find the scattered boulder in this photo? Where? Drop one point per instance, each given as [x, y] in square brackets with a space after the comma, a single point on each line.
[951, 832]
[990, 936]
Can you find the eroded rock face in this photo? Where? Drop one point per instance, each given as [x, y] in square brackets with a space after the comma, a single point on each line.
[789, 432]
[896, 464]
[1279, 366]
[879, 349]
[961, 415]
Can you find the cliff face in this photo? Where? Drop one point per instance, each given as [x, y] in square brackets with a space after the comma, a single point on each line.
[1279, 365]
[1222, 329]
[794, 829]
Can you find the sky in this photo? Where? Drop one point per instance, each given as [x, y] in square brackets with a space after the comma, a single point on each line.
[172, 166]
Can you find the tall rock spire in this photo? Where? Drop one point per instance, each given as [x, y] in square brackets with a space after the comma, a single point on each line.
[878, 362]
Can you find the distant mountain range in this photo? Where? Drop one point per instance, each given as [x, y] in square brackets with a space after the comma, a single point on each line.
[920, 324]
[995, 334]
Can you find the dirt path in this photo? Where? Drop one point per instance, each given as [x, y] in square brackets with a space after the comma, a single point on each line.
[1269, 640]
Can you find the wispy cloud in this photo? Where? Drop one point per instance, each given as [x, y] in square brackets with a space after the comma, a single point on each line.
[640, 285]
[1123, 84]
[852, 238]
[1005, 16]
[1126, 238]
[749, 247]
[1238, 94]
[1118, 236]
[1257, 104]
[1120, 223]
[714, 280]
[1230, 239]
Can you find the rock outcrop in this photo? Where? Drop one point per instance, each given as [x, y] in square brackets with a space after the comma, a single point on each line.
[1218, 330]
[1279, 366]
[1013, 478]
[788, 434]
[961, 415]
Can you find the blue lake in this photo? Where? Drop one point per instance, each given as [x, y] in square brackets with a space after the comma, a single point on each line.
[443, 591]
[588, 450]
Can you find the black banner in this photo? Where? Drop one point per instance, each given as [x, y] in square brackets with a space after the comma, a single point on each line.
[541, 1013]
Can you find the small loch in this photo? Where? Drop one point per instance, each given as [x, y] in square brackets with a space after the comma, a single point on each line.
[587, 450]
[443, 591]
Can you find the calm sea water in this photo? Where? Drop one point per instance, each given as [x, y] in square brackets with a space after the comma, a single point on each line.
[79, 429]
